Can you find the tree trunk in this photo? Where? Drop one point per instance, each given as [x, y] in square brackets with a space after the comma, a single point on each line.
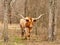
[55, 22]
[25, 9]
[5, 21]
[10, 4]
[9, 14]
[52, 20]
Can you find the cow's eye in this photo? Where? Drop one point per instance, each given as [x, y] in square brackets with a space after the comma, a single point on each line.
[34, 20]
[27, 20]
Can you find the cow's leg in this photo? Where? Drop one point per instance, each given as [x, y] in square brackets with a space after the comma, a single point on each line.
[29, 34]
[22, 32]
[26, 33]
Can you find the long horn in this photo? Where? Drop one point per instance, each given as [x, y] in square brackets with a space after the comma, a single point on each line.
[39, 17]
[22, 16]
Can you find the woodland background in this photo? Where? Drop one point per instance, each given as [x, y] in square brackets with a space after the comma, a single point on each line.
[32, 8]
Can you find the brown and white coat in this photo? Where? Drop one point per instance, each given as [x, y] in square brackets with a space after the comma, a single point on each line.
[26, 24]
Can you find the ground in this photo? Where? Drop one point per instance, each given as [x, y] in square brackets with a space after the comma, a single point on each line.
[15, 37]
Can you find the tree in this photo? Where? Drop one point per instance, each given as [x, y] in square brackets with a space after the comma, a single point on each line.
[55, 22]
[7, 9]
[10, 5]
[6, 6]
[25, 9]
[52, 20]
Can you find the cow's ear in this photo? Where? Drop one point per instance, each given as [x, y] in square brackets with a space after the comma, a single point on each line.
[34, 20]
[27, 20]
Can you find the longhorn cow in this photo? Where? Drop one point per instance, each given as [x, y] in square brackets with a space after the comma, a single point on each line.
[26, 24]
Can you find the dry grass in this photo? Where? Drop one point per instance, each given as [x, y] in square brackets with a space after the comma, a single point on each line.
[15, 38]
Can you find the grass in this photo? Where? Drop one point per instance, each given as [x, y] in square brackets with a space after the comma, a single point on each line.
[15, 39]
[1, 43]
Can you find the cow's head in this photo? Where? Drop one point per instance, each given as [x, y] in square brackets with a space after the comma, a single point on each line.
[30, 21]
